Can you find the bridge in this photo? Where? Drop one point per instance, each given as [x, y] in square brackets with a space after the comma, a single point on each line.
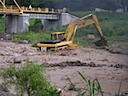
[17, 17]
[16, 9]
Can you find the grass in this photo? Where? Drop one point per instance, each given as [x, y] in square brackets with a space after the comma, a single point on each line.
[32, 37]
[1, 24]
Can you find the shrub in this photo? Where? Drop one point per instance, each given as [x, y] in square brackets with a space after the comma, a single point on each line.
[29, 80]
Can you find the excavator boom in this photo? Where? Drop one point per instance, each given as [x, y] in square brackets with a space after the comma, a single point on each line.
[82, 22]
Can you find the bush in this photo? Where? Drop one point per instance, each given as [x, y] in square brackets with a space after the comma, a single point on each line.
[29, 80]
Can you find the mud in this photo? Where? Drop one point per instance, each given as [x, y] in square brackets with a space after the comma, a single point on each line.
[110, 69]
[119, 48]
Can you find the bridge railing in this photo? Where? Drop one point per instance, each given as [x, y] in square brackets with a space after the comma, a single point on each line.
[37, 10]
[13, 9]
[9, 10]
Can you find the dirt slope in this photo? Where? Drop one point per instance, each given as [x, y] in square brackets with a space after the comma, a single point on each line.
[110, 69]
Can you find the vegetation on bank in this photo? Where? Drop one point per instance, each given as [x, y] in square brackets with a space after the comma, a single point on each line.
[29, 80]
[31, 37]
[114, 26]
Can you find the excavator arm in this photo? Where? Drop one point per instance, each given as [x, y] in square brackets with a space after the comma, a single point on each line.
[82, 22]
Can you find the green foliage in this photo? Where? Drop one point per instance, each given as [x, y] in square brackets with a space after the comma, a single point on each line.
[1, 24]
[32, 37]
[86, 5]
[29, 80]
[35, 25]
[91, 88]
[20, 2]
[34, 3]
[35, 22]
[109, 4]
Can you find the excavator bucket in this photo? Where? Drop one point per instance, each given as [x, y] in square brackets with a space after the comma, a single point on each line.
[101, 42]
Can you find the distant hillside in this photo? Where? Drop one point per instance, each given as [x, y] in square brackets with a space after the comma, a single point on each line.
[74, 5]
[84, 5]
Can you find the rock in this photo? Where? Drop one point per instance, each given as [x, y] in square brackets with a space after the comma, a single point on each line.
[90, 37]
[92, 64]
[2, 39]
[25, 42]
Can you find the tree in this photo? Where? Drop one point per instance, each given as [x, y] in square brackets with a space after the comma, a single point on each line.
[34, 3]
[109, 4]
[20, 2]
[73, 5]
[124, 3]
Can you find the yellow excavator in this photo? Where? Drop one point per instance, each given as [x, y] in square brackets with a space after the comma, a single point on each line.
[60, 40]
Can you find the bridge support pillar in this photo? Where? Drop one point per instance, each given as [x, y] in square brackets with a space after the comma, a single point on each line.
[16, 23]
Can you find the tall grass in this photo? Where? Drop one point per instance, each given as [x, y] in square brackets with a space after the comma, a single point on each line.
[1, 24]
[32, 37]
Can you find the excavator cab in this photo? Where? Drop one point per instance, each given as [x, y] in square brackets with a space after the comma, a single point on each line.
[57, 35]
